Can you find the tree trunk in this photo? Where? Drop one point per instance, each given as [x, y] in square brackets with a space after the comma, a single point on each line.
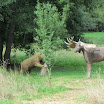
[9, 43]
[1, 49]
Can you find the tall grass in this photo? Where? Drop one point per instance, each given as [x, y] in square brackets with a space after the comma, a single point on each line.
[14, 86]
[68, 58]
[95, 91]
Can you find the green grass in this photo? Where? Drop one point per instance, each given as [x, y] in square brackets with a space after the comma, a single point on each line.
[18, 56]
[14, 86]
[6, 102]
[95, 37]
[69, 67]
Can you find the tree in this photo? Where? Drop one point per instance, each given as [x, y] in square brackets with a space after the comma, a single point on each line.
[50, 30]
[1, 48]
[99, 16]
[50, 21]
[2, 21]
[63, 18]
[80, 18]
[15, 24]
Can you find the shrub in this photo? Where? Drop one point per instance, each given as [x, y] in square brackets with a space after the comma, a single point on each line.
[50, 28]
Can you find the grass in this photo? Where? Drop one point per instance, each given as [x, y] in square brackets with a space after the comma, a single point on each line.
[18, 56]
[26, 87]
[95, 92]
[95, 37]
[68, 74]
[69, 67]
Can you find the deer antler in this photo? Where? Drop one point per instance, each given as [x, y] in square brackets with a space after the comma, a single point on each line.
[71, 42]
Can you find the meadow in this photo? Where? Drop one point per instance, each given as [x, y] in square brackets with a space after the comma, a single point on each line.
[69, 82]
[95, 37]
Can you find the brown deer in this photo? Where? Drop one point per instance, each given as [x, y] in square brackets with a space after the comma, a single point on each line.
[91, 54]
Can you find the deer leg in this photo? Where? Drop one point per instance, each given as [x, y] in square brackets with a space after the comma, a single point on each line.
[44, 69]
[88, 69]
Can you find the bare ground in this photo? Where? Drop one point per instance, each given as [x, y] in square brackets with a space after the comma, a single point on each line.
[68, 97]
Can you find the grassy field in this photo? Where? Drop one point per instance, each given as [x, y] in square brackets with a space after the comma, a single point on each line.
[69, 82]
[95, 37]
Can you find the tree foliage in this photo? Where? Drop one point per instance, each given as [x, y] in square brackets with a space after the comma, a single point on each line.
[49, 20]
[16, 23]
[56, 18]
[51, 27]
[99, 16]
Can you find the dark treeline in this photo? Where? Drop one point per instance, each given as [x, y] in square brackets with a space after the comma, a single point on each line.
[17, 21]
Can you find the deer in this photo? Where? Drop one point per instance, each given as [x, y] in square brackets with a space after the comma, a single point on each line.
[91, 53]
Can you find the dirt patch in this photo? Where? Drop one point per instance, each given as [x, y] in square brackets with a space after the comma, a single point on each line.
[72, 96]
[68, 97]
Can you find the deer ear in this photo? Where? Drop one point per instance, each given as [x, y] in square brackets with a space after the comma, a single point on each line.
[90, 48]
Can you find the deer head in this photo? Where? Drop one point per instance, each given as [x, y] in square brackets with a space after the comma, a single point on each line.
[90, 48]
[71, 43]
